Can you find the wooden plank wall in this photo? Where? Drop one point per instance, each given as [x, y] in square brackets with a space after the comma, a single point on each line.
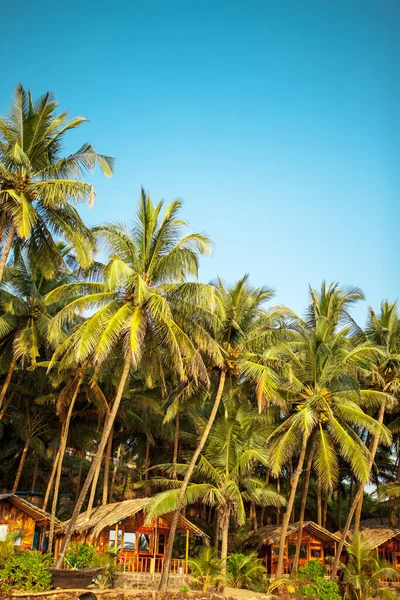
[16, 519]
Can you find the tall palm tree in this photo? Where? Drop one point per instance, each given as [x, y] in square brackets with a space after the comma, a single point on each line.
[38, 187]
[325, 396]
[383, 331]
[225, 473]
[142, 310]
[246, 335]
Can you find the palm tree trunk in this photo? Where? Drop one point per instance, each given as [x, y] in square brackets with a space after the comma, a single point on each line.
[176, 443]
[319, 501]
[106, 433]
[107, 460]
[254, 516]
[357, 517]
[325, 510]
[306, 486]
[339, 507]
[93, 488]
[359, 494]
[278, 510]
[63, 445]
[6, 251]
[217, 530]
[114, 475]
[6, 384]
[21, 465]
[286, 517]
[168, 555]
[225, 536]
[52, 475]
[78, 485]
[35, 472]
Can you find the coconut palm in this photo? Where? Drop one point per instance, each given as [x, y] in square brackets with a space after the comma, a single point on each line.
[246, 335]
[142, 311]
[225, 474]
[363, 572]
[38, 187]
[325, 396]
[383, 376]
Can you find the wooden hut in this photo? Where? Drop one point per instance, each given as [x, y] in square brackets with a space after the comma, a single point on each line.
[121, 527]
[17, 514]
[383, 538]
[317, 543]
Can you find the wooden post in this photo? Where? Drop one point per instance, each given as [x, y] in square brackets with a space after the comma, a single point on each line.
[116, 539]
[187, 550]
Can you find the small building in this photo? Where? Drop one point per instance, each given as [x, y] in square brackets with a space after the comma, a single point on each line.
[121, 527]
[317, 543]
[383, 538]
[17, 514]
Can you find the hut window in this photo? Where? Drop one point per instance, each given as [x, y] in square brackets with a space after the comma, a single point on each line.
[111, 543]
[161, 543]
[303, 551]
[3, 532]
[315, 553]
[129, 540]
[144, 542]
[291, 550]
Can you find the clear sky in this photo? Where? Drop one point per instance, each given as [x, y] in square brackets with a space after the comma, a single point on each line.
[277, 122]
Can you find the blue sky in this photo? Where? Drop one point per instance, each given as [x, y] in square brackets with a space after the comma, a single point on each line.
[277, 122]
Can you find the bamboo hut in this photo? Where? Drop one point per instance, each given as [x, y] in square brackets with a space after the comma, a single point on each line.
[17, 514]
[121, 528]
[383, 538]
[317, 543]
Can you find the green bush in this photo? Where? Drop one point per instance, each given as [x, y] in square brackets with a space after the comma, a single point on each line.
[26, 571]
[312, 570]
[245, 571]
[323, 589]
[81, 556]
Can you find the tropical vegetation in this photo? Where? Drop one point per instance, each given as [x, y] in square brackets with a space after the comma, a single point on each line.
[123, 374]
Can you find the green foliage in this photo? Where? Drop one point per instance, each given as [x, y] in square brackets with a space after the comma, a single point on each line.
[363, 572]
[184, 589]
[7, 546]
[245, 571]
[26, 571]
[312, 570]
[109, 561]
[206, 569]
[323, 589]
[81, 556]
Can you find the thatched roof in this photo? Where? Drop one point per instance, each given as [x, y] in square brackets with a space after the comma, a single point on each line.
[377, 532]
[41, 517]
[110, 514]
[271, 534]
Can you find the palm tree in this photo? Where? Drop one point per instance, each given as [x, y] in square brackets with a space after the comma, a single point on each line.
[146, 312]
[38, 186]
[383, 331]
[363, 572]
[225, 474]
[325, 396]
[246, 336]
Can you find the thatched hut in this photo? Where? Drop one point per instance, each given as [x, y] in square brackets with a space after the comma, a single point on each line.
[317, 543]
[17, 514]
[121, 527]
[383, 538]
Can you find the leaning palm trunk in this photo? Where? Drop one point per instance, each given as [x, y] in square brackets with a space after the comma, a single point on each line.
[217, 530]
[107, 460]
[114, 475]
[6, 251]
[51, 478]
[168, 555]
[225, 535]
[97, 459]
[6, 384]
[306, 486]
[63, 445]
[358, 496]
[286, 517]
[93, 488]
[176, 443]
[21, 465]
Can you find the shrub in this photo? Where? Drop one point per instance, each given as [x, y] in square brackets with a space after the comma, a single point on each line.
[312, 570]
[206, 569]
[323, 589]
[27, 571]
[245, 571]
[81, 556]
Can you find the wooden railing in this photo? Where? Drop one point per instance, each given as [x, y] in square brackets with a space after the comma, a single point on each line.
[150, 564]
